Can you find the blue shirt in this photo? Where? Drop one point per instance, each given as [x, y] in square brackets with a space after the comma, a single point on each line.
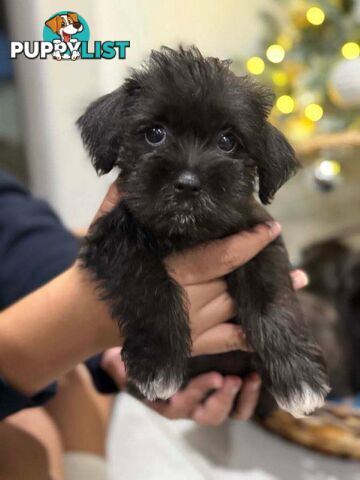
[34, 248]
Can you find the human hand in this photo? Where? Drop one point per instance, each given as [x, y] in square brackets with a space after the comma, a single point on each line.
[189, 402]
[210, 305]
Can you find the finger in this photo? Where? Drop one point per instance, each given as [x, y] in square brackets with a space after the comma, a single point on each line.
[112, 364]
[202, 293]
[182, 404]
[111, 199]
[217, 407]
[201, 384]
[189, 397]
[219, 310]
[248, 398]
[193, 266]
[299, 279]
[226, 337]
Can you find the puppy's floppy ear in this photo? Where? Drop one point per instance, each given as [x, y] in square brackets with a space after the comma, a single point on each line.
[101, 126]
[277, 163]
[73, 16]
[275, 158]
[54, 23]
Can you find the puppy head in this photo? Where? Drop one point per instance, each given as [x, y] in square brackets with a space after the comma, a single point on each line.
[190, 139]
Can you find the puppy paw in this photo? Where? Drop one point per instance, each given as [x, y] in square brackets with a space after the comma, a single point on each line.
[152, 378]
[299, 383]
[75, 55]
[302, 401]
[161, 386]
[57, 56]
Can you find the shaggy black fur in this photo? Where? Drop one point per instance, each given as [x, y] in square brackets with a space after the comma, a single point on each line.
[191, 139]
[334, 271]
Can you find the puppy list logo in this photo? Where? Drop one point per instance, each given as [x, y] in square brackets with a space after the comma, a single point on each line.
[66, 36]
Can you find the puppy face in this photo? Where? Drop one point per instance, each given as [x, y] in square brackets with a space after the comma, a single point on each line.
[190, 138]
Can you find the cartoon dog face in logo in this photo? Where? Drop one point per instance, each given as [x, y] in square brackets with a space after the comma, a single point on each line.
[65, 25]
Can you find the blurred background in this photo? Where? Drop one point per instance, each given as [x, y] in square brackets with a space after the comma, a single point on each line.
[307, 52]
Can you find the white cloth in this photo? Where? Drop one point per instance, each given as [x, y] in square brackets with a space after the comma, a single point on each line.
[84, 466]
[145, 446]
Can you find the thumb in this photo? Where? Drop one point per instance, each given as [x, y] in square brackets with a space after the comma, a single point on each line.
[111, 199]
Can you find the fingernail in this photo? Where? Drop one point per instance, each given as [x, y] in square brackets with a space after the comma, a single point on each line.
[275, 228]
[235, 387]
[254, 381]
[302, 278]
[244, 345]
[255, 385]
[217, 382]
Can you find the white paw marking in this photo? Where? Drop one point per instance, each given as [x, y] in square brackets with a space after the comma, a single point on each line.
[160, 388]
[304, 401]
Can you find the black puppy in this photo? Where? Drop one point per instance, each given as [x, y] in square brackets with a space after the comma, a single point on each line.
[191, 139]
[334, 271]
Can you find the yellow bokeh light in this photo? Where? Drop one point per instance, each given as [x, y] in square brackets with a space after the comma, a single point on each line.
[350, 50]
[279, 78]
[255, 65]
[285, 104]
[285, 41]
[299, 128]
[314, 112]
[315, 16]
[329, 168]
[275, 53]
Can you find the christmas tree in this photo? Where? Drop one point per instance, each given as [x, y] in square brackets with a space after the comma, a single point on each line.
[310, 57]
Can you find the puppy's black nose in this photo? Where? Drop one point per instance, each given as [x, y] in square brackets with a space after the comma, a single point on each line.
[77, 25]
[187, 182]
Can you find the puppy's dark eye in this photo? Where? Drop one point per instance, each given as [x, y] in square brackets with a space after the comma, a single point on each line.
[227, 142]
[155, 135]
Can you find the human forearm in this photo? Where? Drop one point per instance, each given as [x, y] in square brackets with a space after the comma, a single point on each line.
[51, 330]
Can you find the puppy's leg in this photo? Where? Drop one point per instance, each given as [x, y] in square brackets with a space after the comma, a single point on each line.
[147, 304]
[291, 363]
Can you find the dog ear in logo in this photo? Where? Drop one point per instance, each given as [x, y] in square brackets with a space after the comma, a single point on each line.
[54, 23]
[74, 17]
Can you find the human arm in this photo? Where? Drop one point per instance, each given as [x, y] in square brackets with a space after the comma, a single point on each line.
[62, 323]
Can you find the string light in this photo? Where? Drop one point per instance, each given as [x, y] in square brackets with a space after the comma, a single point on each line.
[329, 168]
[315, 16]
[279, 78]
[275, 53]
[255, 65]
[314, 112]
[327, 175]
[285, 104]
[350, 50]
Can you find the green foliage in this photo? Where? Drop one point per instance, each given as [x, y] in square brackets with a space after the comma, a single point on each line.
[313, 52]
